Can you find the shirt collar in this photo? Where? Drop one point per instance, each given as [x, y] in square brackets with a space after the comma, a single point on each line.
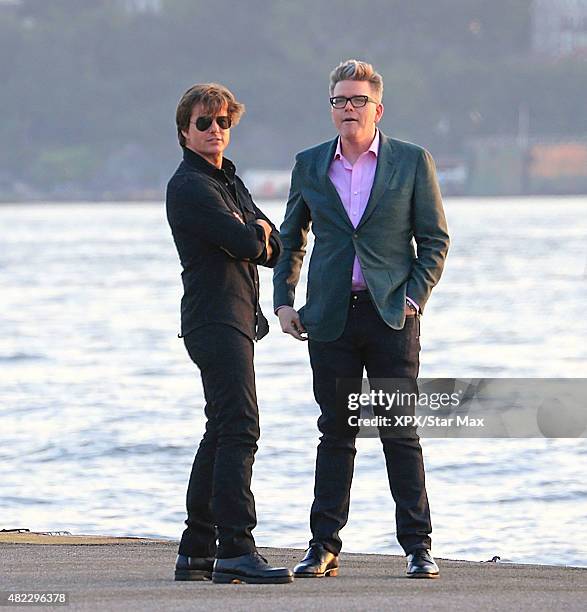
[373, 147]
[197, 161]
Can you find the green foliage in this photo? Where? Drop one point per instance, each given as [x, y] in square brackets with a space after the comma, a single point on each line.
[63, 165]
[83, 81]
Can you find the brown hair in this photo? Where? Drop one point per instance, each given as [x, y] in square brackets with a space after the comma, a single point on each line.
[355, 70]
[212, 97]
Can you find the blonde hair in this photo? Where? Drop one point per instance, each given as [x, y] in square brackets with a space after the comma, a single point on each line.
[355, 70]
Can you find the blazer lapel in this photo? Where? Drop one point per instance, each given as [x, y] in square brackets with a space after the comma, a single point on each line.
[386, 168]
[328, 185]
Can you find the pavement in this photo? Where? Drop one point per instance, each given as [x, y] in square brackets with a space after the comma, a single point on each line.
[111, 573]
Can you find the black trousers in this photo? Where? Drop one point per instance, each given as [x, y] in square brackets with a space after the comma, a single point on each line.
[367, 342]
[220, 504]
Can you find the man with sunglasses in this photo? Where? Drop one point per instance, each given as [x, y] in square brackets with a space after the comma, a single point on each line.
[221, 236]
[366, 197]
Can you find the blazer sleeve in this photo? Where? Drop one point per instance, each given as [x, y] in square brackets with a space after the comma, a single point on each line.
[200, 210]
[430, 232]
[294, 235]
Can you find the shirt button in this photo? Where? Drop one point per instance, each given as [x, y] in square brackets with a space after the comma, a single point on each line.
[356, 192]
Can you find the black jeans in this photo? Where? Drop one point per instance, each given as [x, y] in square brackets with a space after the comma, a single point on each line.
[366, 342]
[220, 503]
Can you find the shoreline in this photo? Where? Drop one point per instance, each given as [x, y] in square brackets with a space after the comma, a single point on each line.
[486, 198]
[71, 539]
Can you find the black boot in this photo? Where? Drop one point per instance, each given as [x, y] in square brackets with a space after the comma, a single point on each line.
[421, 564]
[193, 568]
[317, 563]
[251, 568]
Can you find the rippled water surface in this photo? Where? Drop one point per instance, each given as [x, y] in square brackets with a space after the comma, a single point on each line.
[101, 409]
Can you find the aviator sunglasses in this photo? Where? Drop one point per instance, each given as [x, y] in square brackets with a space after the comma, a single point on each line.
[204, 122]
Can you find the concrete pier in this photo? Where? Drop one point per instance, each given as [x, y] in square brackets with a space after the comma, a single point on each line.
[109, 573]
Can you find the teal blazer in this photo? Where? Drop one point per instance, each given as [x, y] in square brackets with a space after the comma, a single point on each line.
[405, 206]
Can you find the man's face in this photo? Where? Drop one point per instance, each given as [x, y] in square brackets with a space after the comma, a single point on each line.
[210, 144]
[356, 124]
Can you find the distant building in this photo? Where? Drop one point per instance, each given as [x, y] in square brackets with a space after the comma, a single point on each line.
[267, 184]
[502, 165]
[559, 27]
[452, 175]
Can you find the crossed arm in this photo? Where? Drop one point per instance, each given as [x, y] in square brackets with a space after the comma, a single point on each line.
[201, 210]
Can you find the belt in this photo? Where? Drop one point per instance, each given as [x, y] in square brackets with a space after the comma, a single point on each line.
[360, 296]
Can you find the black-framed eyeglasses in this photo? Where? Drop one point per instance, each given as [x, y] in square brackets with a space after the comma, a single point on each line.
[204, 122]
[356, 101]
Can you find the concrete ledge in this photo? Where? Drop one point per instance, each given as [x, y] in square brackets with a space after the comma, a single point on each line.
[109, 573]
[33, 537]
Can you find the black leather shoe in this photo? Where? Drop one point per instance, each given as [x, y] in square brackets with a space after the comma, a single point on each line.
[193, 568]
[317, 563]
[251, 568]
[421, 564]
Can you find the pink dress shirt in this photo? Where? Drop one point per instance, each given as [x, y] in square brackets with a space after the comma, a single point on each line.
[353, 183]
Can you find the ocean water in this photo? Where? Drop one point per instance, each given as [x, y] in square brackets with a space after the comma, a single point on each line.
[101, 409]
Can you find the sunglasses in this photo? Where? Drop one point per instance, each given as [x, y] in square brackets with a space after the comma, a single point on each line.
[356, 101]
[203, 123]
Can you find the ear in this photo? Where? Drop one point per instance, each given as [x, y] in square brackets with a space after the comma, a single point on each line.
[184, 134]
[379, 112]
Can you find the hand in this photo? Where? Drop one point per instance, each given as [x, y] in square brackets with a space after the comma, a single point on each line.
[266, 228]
[290, 323]
[410, 309]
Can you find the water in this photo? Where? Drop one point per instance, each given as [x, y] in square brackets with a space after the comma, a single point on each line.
[101, 412]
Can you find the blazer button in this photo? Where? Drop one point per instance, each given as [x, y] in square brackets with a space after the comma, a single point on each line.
[355, 235]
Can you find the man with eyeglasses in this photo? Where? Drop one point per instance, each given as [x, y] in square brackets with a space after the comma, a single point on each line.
[221, 236]
[366, 197]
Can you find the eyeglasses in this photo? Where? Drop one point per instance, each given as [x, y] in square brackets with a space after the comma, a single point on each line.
[356, 101]
[203, 123]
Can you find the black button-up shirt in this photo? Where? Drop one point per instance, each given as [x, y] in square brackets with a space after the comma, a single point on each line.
[218, 252]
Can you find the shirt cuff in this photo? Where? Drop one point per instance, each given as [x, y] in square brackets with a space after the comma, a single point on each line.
[413, 303]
